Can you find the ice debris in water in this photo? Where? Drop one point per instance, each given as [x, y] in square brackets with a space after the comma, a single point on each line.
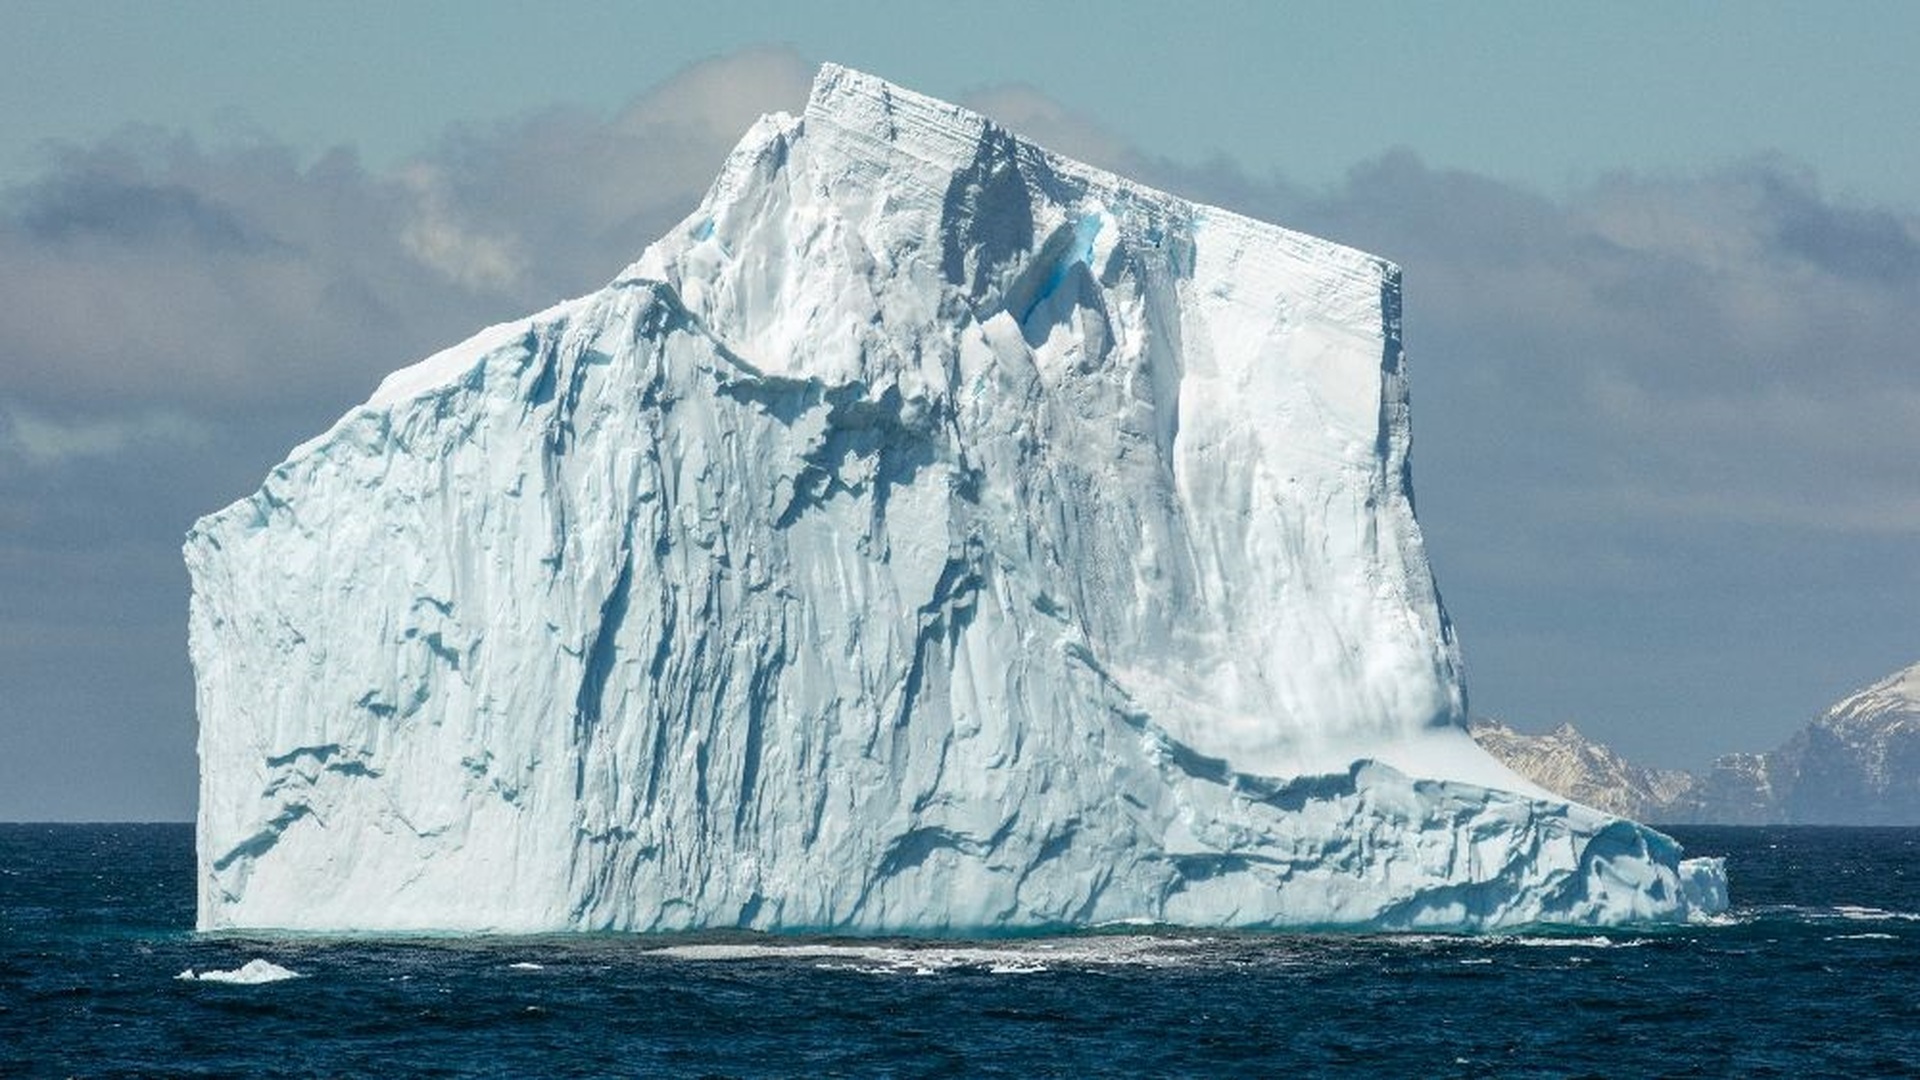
[931, 534]
[248, 974]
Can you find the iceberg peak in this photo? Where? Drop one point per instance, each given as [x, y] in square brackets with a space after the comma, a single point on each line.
[929, 534]
[857, 106]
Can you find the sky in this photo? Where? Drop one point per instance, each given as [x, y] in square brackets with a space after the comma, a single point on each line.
[1661, 262]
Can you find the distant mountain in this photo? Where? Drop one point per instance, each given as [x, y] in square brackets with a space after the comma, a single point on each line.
[1737, 789]
[1857, 764]
[1565, 761]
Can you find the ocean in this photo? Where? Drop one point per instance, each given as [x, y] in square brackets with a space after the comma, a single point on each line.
[1816, 971]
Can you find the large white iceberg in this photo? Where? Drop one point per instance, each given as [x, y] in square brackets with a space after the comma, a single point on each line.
[931, 534]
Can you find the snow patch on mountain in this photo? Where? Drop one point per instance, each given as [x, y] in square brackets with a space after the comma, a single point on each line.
[1565, 761]
[1856, 764]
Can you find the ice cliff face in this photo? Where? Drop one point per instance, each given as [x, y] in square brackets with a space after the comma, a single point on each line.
[931, 534]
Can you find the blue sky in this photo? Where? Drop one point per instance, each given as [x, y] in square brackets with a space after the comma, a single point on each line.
[1661, 260]
[1547, 94]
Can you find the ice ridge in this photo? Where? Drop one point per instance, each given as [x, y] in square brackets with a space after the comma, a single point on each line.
[931, 534]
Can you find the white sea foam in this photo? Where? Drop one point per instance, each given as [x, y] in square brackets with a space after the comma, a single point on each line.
[1594, 942]
[251, 973]
[1538, 941]
[1020, 959]
[527, 966]
[1016, 968]
[1873, 914]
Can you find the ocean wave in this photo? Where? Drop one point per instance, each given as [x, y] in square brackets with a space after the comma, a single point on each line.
[1858, 913]
[1835, 913]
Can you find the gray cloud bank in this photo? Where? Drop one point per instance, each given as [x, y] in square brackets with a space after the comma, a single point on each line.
[1666, 428]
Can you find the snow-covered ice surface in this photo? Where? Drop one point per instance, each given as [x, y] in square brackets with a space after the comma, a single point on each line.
[930, 535]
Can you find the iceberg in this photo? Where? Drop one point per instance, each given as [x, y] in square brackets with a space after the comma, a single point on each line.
[252, 973]
[929, 535]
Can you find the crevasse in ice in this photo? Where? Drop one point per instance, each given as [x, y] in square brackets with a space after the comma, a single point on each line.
[930, 534]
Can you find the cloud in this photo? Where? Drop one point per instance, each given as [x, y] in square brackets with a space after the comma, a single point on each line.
[41, 439]
[1856, 243]
[579, 196]
[436, 237]
[1653, 398]
[100, 205]
[1692, 338]
[220, 284]
[148, 272]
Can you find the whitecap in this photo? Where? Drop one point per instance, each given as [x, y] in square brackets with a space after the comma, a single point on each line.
[1594, 942]
[1873, 914]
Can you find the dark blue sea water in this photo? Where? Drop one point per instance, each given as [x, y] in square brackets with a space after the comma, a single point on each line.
[1816, 972]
